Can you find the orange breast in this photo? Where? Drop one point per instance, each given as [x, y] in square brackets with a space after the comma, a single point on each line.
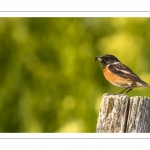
[116, 80]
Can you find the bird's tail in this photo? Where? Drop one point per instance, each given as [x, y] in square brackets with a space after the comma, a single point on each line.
[144, 84]
[147, 86]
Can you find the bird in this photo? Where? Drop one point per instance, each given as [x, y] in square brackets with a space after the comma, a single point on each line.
[119, 74]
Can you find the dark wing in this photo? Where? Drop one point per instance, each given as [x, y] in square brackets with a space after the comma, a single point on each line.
[123, 71]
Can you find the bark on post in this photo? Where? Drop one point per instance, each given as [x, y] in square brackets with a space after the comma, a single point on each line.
[119, 113]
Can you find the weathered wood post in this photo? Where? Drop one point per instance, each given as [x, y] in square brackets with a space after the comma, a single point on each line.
[119, 113]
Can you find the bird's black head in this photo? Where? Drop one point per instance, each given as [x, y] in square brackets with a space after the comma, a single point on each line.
[107, 59]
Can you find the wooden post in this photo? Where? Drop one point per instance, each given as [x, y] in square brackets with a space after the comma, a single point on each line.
[119, 113]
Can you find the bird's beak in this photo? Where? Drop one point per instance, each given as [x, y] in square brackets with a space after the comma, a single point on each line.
[98, 58]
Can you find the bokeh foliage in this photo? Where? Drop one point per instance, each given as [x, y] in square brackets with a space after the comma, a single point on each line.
[49, 81]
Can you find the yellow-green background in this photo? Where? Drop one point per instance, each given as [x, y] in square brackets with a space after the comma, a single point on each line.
[49, 81]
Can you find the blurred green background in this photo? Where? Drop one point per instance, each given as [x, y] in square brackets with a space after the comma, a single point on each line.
[49, 81]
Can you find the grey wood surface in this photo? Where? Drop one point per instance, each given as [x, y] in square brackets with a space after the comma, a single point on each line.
[122, 114]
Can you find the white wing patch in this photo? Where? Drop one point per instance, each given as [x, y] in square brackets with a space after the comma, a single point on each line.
[127, 72]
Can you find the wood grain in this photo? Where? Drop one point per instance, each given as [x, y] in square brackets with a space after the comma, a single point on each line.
[121, 114]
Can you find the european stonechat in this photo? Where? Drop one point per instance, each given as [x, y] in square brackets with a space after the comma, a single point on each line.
[119, 74]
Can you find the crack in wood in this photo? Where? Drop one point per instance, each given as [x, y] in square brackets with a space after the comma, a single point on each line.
[119, 113]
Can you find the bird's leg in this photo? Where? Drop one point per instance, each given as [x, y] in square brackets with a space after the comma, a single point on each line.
[124, 90]
[128, 90]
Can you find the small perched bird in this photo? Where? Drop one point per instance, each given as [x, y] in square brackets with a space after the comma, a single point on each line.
[119, 74]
